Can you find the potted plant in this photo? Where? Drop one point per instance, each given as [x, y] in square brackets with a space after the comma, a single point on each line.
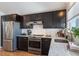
[75, 31]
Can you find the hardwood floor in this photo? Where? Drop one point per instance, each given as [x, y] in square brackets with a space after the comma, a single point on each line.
[17, 53]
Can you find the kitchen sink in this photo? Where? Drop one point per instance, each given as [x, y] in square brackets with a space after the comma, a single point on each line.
[60, 41]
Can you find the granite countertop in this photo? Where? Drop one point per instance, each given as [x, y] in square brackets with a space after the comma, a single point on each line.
[33, 36]
[23, 35]
[60, 49]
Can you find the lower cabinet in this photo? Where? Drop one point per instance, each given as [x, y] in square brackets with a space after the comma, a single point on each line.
[22, 43]
[45, 46]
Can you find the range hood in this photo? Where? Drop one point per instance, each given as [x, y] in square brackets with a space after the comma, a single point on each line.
[34, 23]
[37, 22]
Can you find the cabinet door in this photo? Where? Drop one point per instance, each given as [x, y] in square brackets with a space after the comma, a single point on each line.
[22, 43]
[11, 17]
[47, 20]
[36, 17]
[45, 45]
[26, 19]
[60, 19]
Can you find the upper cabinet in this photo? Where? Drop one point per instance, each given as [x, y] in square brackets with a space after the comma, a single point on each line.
[54, 19]
[30, 18]
[26, 19]
[47, 20]
[60, 18]
[11, 17]
[36, 17]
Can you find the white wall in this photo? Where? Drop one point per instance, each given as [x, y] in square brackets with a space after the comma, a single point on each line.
[1, 13]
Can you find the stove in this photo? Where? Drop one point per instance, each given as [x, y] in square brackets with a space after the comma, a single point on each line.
[34, 43]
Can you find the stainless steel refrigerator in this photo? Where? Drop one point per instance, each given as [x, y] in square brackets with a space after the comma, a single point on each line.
[10, 30]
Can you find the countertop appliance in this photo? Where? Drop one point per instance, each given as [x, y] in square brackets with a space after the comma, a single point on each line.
[10, 30]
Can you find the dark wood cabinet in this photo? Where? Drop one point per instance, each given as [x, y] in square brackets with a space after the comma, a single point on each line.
[31, 18]
[47, 20]
[8, 17]
[11, 17]
[54, 19]
[26, 19]
[22, 43]
[45, 46]
[36, 17]
[60, 18]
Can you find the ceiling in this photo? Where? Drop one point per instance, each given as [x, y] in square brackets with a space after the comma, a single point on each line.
[23, 8]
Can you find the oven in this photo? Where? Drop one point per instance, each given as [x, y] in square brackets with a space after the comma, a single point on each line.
[34, 44]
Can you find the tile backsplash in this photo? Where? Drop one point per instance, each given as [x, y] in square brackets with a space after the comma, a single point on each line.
[49, 31]
[39, 30]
